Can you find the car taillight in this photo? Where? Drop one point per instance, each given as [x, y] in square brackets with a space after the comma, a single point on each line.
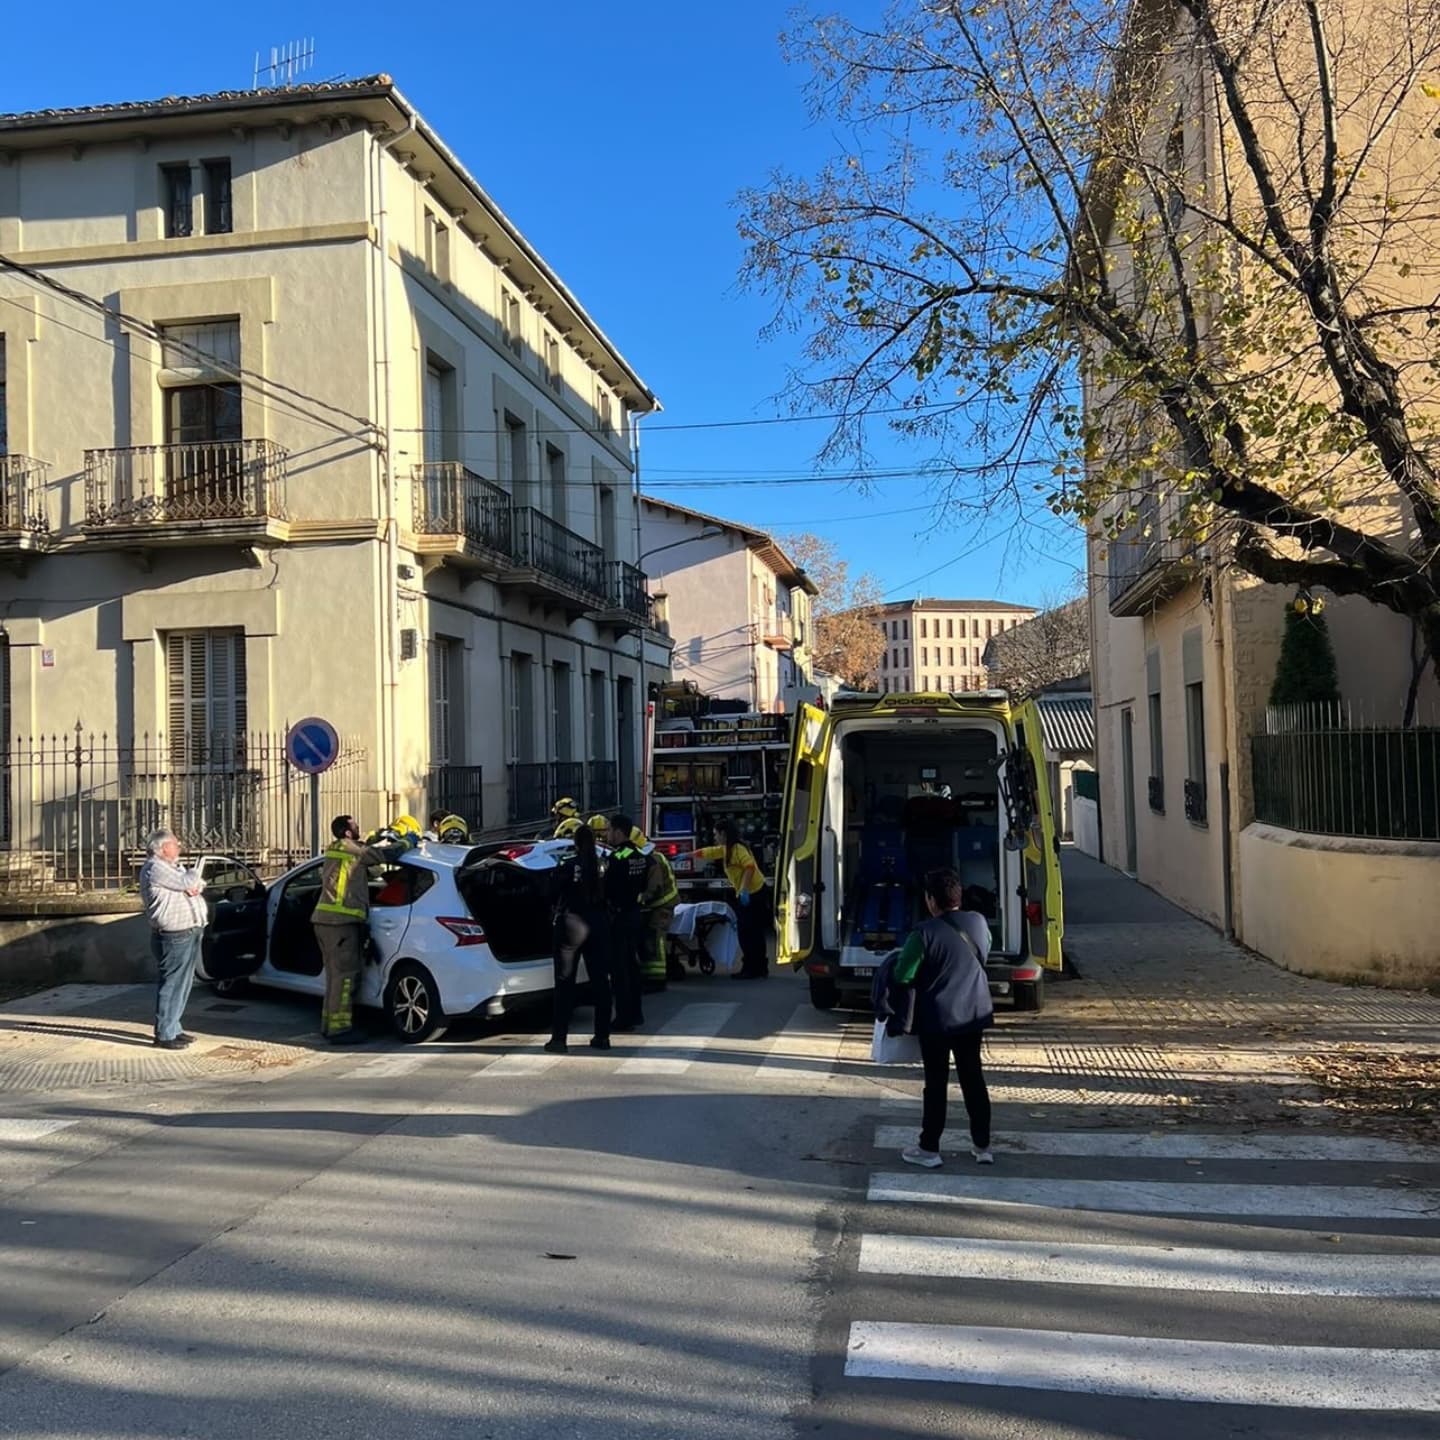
[465, 931]
[514, 852]
[1033, 913]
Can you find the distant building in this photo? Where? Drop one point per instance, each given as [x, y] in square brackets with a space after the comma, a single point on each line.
[735, 605]
[940, 644]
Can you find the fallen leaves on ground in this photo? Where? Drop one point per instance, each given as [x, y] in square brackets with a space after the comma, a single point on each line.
[1378, 1084]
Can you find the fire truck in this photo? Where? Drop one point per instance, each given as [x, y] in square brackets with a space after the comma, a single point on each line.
[707, 767]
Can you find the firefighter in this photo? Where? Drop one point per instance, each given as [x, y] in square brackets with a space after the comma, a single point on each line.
[447, 829]
[342, 925]
[657, 904]
[566, 815]
[624, 883]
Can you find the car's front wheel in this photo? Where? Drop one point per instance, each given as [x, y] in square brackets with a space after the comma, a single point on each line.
[412, 1003]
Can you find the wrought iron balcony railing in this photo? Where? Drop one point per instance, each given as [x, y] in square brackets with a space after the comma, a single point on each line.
[1195, 808]
[448, 499]
[543, 544]
[1157, 794]
[1144, 562]
[629, 588]
[166, 484]
[22, 496]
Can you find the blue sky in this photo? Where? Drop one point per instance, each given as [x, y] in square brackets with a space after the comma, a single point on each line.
[619, 151]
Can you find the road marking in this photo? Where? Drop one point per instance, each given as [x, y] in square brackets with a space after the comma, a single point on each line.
[1182, 1145]
[529, 1061]
[65, 998]
[677, 1044]
[1146, 1197]
[385, 1067]
[31, 1129]
[1152, 1267]
[1312, 1377]
[807, 1048]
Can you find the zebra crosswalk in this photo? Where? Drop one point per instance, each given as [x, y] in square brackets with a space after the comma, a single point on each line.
[1250, 1291]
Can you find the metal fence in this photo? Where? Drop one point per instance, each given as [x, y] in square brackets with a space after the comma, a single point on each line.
[1325, 770]
[76, 809]
[460, 789]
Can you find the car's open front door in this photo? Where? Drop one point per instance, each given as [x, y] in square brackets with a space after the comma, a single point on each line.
[798, 889]
[1044, 895]
[237, 902]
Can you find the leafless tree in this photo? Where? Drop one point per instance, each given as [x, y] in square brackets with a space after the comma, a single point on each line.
[847, 641]
[1044, 650]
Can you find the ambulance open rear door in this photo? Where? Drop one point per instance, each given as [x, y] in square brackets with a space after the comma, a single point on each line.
[1044, 894]
[798, 886]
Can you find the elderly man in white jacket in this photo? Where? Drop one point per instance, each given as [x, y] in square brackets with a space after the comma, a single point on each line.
[172, 896]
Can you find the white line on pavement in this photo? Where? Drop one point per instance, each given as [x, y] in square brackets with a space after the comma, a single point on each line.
[1181, 1145]
[1148, 1197]
[807, 1048]
[385, 1067]
[31, 1129]
[530, 1061]
[677, 1044]
[1152, 1267]
[1313, 1377]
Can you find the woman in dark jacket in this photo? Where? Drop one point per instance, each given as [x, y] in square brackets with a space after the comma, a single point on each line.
[943, 960]
[581, 929]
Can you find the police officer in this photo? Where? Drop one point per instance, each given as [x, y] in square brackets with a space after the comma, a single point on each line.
[624, 884]
[342, 925]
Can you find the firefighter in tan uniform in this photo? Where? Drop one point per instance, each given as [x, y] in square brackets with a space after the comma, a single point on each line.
[657, 904]
[342, 925]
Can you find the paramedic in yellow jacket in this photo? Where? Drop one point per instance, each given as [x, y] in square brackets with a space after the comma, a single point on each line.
[342, 924]
[657, 903]
[753, 913]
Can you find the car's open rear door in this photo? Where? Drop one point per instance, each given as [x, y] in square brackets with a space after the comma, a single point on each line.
[1044, 894]
[797, 885]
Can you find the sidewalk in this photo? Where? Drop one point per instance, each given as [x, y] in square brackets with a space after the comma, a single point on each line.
[1165, 1004]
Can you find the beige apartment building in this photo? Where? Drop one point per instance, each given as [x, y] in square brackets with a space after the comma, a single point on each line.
[295, 421]
[939, 645]
[1185, 649]
[735, 606]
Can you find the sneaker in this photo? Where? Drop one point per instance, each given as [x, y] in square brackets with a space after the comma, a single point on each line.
[982, 1157]
[926, 1159]
[556, 1047]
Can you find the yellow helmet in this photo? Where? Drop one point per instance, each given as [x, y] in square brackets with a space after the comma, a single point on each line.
[452, 830]
[564, 808]
[599, 824]
[637, 837]
[568, 826]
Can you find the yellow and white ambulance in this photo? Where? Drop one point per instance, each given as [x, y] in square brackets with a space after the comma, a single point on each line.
[882, 788]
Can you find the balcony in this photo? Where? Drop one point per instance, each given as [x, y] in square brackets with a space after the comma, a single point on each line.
[1157, 794]
[23, 522]
[213, 493]
[776, 638]
[1195, 808]
[1146, 566]
[629, 597]
[555, 564]
[460, 517]
[604, 786]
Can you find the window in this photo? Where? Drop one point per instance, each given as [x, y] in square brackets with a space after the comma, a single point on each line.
[1157, 756]
[522, 710]
[446, 658]
[205, 696]
[894, 629]
[922, 627]
[907, 657]
[564, 712]
[974, 629]
[952, 682]
[609, 537]
[1175, 167]
[516, 460]
[895, 658]
[437, 246]
[598, 719]
[219, 212]
[924, 654]
[552, 362]
[510, 322]
[884, 659]
[905, 633]
[988, 631]
[950, 628]
[1195, 753]
[555, 476]
[604, 411]
[175, 196]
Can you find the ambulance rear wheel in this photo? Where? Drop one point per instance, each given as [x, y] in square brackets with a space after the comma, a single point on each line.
[1029, 995]
[824, 994]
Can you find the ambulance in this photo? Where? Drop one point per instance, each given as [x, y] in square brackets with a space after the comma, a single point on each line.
[881, 788]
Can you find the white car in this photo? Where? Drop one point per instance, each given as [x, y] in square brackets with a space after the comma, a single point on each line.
[456, 930]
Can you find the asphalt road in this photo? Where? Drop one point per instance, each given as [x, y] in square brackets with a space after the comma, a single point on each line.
[704, 1233]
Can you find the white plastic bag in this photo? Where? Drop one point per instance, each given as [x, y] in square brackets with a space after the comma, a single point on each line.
[893, 1049]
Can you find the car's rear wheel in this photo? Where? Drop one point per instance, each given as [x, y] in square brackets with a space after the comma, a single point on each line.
[1029, 994]
[824, 994]
[412, 1003]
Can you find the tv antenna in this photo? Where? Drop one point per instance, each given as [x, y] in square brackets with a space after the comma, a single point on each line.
[286, 63]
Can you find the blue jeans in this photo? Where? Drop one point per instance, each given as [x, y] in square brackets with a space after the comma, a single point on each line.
[176, 954]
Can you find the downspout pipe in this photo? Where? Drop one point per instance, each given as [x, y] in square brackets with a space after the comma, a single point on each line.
[389, 589]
